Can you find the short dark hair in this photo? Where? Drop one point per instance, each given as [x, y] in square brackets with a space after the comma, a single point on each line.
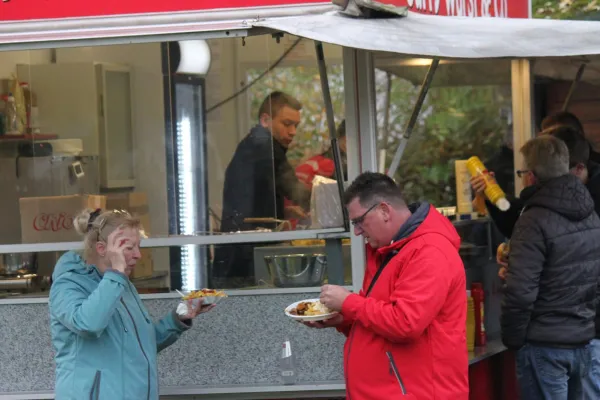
[579, 148]
[546, 156]
[373, 187]
[275, 101]
[562, 118]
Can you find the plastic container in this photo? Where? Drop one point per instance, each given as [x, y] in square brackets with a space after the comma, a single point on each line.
[493, 191]
[464, 200]
[287, 364]
[10, 116]
[20, 106]
[479, 305]
[470, 322]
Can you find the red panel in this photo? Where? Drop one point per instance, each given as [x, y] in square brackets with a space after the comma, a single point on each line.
[481, 381]
[14, 10]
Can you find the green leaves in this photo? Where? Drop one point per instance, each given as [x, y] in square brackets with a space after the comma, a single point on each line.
[565, 9]
[455, 123]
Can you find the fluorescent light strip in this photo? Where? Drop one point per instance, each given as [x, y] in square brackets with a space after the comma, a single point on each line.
[187, 201]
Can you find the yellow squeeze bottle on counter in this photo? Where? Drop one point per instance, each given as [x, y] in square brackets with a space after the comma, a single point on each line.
[470, 322]
[493, 191]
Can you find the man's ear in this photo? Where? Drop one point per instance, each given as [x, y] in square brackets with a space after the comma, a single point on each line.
[265, 120]
[385, 209]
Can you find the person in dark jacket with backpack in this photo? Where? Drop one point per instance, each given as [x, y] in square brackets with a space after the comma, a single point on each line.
[550, 296]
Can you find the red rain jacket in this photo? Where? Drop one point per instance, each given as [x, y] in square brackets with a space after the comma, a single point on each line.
[417, 311]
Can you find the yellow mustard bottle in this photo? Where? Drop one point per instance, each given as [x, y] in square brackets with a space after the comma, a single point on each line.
[470, 322]
[492, 191]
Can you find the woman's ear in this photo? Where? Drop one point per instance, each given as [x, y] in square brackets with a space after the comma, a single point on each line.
[101, 248]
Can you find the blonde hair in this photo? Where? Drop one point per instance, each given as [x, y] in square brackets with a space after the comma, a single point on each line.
[97, 225]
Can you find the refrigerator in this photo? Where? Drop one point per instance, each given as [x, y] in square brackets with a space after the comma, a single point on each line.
[187, 179]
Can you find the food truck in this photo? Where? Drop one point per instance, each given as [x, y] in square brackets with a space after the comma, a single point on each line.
[141, 105]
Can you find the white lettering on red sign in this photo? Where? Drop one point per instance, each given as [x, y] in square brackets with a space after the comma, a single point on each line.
[53, 222]
[462, 8]
[430, 6]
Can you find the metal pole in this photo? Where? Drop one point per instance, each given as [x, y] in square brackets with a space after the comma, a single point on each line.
[386, 124]
[413, 117]
[573, 87]
[337, 159]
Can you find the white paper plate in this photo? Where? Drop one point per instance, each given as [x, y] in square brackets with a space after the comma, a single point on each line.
[307, 317]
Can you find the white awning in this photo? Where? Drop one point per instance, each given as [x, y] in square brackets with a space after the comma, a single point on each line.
[447, 37]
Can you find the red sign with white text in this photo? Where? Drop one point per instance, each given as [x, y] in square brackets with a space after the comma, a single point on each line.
[467, 8]
[22, 10]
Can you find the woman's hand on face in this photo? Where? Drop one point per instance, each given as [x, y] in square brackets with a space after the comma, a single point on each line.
[115, 247]
[196, 308]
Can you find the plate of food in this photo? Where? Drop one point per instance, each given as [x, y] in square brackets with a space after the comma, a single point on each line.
[209, 296]
[309, 310]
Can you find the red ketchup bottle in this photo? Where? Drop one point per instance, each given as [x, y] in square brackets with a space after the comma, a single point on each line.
[478, 300]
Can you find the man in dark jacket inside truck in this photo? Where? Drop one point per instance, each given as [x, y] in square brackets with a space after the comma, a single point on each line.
[257, 180]
[550, 296]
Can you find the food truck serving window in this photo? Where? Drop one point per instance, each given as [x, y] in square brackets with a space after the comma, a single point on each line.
[209, 143]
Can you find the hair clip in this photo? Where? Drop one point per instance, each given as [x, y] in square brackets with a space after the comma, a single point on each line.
[93, 217]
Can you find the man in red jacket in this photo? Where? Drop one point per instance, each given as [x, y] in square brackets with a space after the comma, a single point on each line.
[406, 328]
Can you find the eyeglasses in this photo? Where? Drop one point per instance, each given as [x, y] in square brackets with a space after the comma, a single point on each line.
[522, 172]
[359, 220]
[121, 213]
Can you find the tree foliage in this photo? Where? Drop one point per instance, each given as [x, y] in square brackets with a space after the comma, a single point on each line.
[454, 123]
[564, 9]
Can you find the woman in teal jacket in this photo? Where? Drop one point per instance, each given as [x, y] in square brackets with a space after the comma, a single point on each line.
[105, 341]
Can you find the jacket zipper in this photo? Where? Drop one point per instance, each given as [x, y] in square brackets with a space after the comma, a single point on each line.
[396, 372]
[137, 335]
[393, 253]
[96, 386]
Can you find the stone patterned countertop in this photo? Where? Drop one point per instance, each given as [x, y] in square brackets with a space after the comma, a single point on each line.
[234, 349]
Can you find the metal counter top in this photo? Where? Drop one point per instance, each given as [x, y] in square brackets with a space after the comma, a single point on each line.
[491, 349]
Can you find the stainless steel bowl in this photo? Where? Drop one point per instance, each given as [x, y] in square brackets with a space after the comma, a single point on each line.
[297, 270]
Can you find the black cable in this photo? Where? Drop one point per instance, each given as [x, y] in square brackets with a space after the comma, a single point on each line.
[262, 75]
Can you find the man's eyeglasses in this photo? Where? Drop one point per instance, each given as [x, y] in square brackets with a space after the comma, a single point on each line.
[522, 172]
[359, 220]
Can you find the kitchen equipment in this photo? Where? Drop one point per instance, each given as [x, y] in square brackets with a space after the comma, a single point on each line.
[18, 264]
[281, 224]
[22, 177]
[297, 270]
[25, 284]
